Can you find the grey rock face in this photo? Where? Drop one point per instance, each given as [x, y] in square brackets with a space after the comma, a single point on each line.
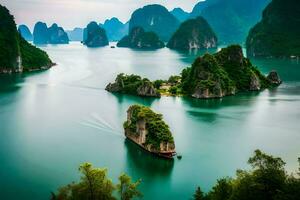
[274, 78]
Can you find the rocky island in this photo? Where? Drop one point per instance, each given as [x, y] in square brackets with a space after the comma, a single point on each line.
[52, 35]
[230, 19]
[210, 76]
[134, 85]
[25, 32]
[139, 39]
[193, 34]
[278, 33]
[95, 36]
[148, 130]
[155, 18]
[16, 54]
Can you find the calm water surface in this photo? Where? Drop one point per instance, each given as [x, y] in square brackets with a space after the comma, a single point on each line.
[52, 121]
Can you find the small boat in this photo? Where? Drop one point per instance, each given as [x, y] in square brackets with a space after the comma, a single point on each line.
[112, 47]
[179, 157]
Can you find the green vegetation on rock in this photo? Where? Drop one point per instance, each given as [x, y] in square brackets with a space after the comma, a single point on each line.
[267, 180]
[210, 76]
[33, 57]
[139, 39]
[16, 54]
[158, 130]
[133, 85]
[193, 34]
[94, 184]
[278, 33]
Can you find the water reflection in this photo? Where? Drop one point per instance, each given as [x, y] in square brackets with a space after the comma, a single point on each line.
[121, 98]
[10, 83]
[141, 162]
[242, 99]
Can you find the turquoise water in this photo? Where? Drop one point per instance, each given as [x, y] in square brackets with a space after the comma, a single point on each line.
[52, 121]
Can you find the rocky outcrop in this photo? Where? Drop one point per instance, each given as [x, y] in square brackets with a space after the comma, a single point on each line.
[25, 32]
[231, 19]
[147, 90]
[155, 18]
[254, 83]
[52, 35]
[225, 73]
[134, 85]
[148, 130]
[193, 34]
[40, 33]
[274, 78]
[277, 34]
[139, 39]
[115, 29]
[57, 35]
[95, 36]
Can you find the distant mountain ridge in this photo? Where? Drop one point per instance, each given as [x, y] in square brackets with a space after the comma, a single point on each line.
[52, 35]
[180, 14]
[155, 18]
[115, 29]
[278, 33]
[76, 34]
[231, 19]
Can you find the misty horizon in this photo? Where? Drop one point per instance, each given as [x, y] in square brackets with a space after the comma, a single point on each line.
[29, 12]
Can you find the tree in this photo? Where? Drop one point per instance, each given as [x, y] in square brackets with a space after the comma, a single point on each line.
[198, 194]
[127, 189]
[95, 185]
[267, 180]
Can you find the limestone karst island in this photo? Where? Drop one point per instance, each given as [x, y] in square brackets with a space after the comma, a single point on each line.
[150, 100]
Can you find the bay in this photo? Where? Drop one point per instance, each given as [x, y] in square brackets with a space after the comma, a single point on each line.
[52, 121]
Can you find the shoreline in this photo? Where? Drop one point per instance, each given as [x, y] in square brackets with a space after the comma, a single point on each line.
[22, 70]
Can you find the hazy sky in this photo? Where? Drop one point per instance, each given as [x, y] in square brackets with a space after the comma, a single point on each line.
[72, 13]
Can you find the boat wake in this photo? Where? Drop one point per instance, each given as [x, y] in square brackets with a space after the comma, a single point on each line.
[97, 122]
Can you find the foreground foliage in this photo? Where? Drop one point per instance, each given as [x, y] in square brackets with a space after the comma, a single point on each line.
[95, 185]
[267, 180]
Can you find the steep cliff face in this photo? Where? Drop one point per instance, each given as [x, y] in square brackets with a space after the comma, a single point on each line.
[224, 73]
[57, 35]
[230, 19]
[25, 32]
[147, 129]
[115, 29]
[52, 35]
[40, 33]
[95, 36]
[277, 34]
[134, 85]
[155, 18]
[139, 39]
[193, 34]
[16, 54]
